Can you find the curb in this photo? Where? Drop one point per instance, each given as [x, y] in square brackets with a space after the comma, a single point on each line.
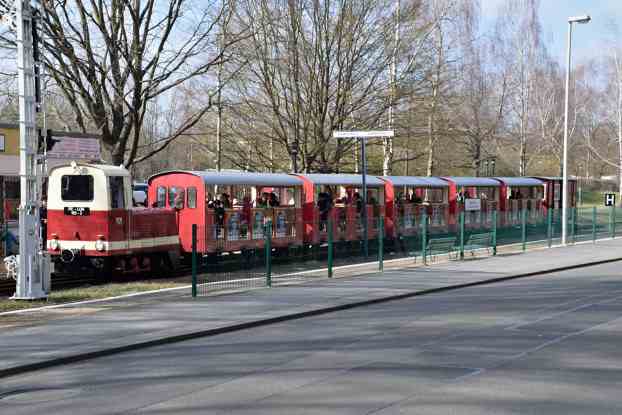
[18, 370]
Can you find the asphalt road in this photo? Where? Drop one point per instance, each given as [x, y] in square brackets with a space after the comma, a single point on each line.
[541, 345]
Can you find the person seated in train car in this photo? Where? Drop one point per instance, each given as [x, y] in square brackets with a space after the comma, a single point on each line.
[357, 201]
[209, 201]
[226, 201]
[219, 211]
[262, 201]
[245, 217]
[273, 201]
[324, 204]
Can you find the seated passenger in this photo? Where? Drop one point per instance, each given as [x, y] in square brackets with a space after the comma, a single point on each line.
[262, 202]
[226, 202]
[273, 200]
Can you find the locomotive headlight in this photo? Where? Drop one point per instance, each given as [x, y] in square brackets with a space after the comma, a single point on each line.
[100, 245]
[54, 244]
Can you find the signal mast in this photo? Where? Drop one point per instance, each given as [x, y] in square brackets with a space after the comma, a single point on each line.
[33, 274]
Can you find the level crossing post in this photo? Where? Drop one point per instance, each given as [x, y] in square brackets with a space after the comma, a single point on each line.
[331, 246]
[194, 260]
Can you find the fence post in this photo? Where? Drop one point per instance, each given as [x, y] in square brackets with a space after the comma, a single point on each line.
[524, 229]
[424, 236]
[549, 226]
[594, 224]
[268, 249]
[381, 243]
[573, 220]
[462, 234]
[494, 232]
[330, 247]
[613, 222]
[194, 260]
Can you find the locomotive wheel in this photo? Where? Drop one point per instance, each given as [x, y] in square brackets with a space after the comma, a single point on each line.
[103, 267]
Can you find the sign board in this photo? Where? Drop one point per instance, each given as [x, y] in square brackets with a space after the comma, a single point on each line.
[472, 204]
[363, 134]
[75, 148]
[610, 199]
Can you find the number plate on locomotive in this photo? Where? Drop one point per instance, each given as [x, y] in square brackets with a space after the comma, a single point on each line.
[77, 211]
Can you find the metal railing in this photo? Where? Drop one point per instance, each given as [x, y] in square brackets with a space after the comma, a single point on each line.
[280, 258]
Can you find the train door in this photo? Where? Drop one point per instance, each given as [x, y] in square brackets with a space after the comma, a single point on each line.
[119, 217]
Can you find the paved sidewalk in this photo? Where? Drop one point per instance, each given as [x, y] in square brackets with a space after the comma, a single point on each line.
[114, 324]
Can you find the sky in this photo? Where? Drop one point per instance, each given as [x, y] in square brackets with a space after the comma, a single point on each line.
[588, 41]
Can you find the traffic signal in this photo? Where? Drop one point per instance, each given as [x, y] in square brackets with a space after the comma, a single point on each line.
[46, 142]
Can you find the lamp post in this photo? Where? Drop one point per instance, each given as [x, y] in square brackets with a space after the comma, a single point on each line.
[363, 135]
[571, 20]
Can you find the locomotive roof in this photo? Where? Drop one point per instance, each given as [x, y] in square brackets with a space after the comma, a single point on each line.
[342, 179]
[108, 169]
[239, 178]
[521, 181]
[417, 181]
[474, 181]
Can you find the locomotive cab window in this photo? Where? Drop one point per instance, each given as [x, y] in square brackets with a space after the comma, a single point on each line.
[77, 188]
[117, 192]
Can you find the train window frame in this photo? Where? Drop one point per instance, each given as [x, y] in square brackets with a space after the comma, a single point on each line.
[2, 143]
[161, 194]
[90, 188]
[191, 195]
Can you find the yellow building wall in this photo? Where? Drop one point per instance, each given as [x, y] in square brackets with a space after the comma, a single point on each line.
[11, 141]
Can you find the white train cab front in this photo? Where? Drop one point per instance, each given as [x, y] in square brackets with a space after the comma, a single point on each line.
[87, 211]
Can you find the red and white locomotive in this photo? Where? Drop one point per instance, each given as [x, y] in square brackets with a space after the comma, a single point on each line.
[91, 222]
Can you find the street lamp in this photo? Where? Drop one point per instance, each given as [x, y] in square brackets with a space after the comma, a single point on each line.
[571, 20]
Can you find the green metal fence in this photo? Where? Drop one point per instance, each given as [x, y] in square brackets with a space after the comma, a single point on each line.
[268, 260]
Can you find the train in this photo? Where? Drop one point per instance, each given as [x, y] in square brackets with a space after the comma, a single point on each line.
[92, 220]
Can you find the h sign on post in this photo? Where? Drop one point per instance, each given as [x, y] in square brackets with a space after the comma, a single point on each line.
[610, 199]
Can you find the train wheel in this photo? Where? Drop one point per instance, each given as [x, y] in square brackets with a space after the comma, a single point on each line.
[103, 267]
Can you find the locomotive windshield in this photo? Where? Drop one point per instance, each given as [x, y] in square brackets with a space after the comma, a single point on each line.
[77, 188]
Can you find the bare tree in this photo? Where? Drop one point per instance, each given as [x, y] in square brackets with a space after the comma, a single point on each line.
[517, 40]
[112, 58]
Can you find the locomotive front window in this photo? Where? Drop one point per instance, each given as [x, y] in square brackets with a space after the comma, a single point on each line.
[77, 188]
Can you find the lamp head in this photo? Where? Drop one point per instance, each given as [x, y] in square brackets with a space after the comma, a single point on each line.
[580, 19]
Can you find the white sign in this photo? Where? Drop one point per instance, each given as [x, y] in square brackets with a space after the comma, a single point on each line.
[363, 134]
[472, 204]
[75, 148]
[610, 199]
